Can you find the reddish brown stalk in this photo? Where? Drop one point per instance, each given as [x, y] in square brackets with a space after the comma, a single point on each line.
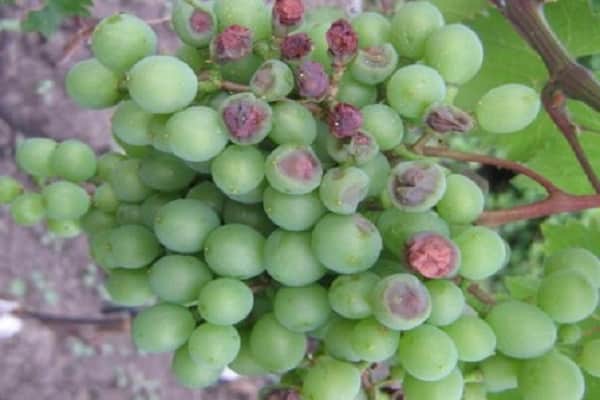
[234, 87]
[110, 323]
[481, 294]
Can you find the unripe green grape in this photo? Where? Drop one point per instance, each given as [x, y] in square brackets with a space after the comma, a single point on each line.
[238, 169]
[247, 214]
[302, 309]
[374, 65]
[34, 156]
[447, 302]
[272, 81]
[178, 279]
[499, 373]
[241, 71]
[374, 342]
[293, 169]
[28, 209]
[473, 337]
[65, 200]
[474, 391]
[157, 128]
[129, 288]
[308, 209]
[133, 151]
[149, 208]
[292, 123]
[275, 347]
[131, 124]
[418, 358]
[289, 259]
[455, 51]
[162, 84]
[91, 85]
[196, 134]
[245, 363]
[575, 259]
[378, 169]
[165, 173]
[508, 108]
[414, 88]
[462, 202]
[448, 388]
[162, 328]
[191, 56]
[551, 377]
[101, 249]
[209, 194]
[330, 379]
[416, 186]
[64, 228]
[412, 24]
[10, 188]
[249, 13]
[346, 244]
[350, 295]
[483, 253]
[384, 124]
[121, 40]
[356, 93]
[400, 302]
[567, 296]
[319, 51]
[214, 345]
[320, 145]
[202, 167]
[128, 214]
[96, 221]
[133, 246]
[107, 162]
[235, 251]
[523, 331]
[194, 22]
[372, 28]
[385, 267]
[191, 374]
[342, 189]
[105, 198]
[126, 182]
[338, 342]
[253, 197]
[184, 225]
[225, 301]
[589, 358]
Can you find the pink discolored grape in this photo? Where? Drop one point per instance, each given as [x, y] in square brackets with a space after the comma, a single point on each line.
[247, 119]
[445, 119]
[234, 43]
[288, 12]
[416, 186]
[294, 169]
[312, 80]
[432, 255]
[345, 120]
[295, 47]
[342, 41]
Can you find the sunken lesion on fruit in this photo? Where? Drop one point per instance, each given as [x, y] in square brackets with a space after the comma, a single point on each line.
[288, 12]
[233, 44]
[264, 78]
[300, 165]
[432, 255]
[295, 46]
[375, 56]
[344, 120]
[342, 41]
[445, 119]
[312, 80]
[245, 117]
[405, 299]
[201, 22]
[413, 183]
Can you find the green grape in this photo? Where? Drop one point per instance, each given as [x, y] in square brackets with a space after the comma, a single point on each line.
[378, 169]
[131, 124]
[293, 169]
[196, 134]
[385, 267]
[194, 22]
[209, 194]
[308, 209]
[374, 65]
[34, 156]
[427, 353]
[575, 259]
[107, 162]
[166, 173]
[126, 182]
[162, 84]
[330, 379]
[356, 93]
[245, 363]
[121, 40]
[193, 57]
[28, 209]
[272, 81]
[247, 214]
[133, 246]
[178, 279]
[249, 13]
[350, 295]
[241, 71]
[400, 302]
[320, 145]
[523, 331]
[292, 123]
[346, 244]
[374, 342]
[91, 85]
[447, 302]
[499, 373]
[567, 296]
[397, 227]
[253, 197]
[149, 208]
[238, 169]
[275, 347]
[463, 201]
[133, 151]
[289, 259]
[74, 161]
[474, 391]
[157, 128]
[414, 88]
[162, 328]
[473, 337]
[225, 301]
[412, 24]
[342, 189]
[65, 200]
[129, 287]
[235, 251]
[96, 221]
[569, 334]
[191, 374]
[589, 358]
[373, 29]
[483, 253]
[508, 108]
[448, 388]
[128, 214]
[456, 52]
[384, 124]
[302, 309]
[551, 377]
[338, 341]
[10, 189]
[214, 345]
[64, 228]
[105, 199]
[183, 225]
[101, 249]
[202, 167]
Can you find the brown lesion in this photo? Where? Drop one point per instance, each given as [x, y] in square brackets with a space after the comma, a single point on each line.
[301, 165]
[406, 300]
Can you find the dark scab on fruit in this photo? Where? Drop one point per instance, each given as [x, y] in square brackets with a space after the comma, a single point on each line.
[342, 41]
[288, 12]
[296, 46]
[405, 300]
[447, 119]
[344, 120]
[299, 165]
[432, 255]
[313, 81]
[413, 185]
[234, 43]
[244, 119]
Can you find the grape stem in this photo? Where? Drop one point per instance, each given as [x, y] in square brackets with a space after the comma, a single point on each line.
[113, 323]
[481, 294]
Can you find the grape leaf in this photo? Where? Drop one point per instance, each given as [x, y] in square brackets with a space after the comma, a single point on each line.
[595, 6]
[48, 19]
[460, 10]
[573, 233]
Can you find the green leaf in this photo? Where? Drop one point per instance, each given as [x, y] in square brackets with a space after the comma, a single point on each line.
[47, 20]
[460, 10]
[572, 233]
[595, 6]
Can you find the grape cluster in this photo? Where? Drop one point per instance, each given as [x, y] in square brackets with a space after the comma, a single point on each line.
[260, 213]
